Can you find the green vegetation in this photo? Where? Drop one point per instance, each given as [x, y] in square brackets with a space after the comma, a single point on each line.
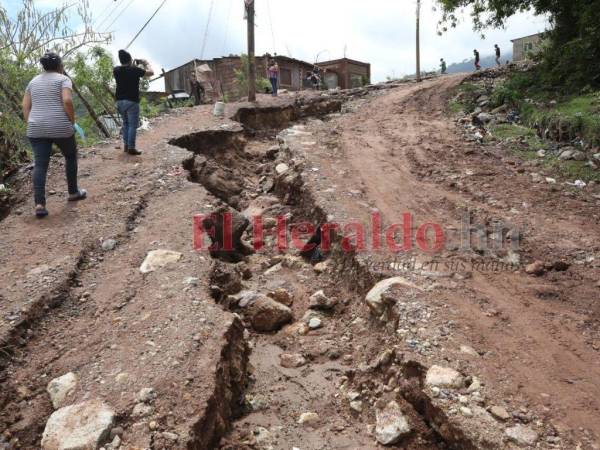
[525, 143]
[578, 115]
[23, 39]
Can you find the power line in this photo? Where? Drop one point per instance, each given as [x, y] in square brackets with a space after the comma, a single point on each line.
[210, 11]
[108, 16]
[146, 24]
[227, 27]
[271, 24]
[102, 14]
[119, 15]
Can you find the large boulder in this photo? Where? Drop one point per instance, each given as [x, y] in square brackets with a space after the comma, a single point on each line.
[85, 426]
[266, 314]
[391, 425]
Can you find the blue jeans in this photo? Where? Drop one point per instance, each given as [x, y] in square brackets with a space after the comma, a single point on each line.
[274, 85]
[130, 113]
[42, 150]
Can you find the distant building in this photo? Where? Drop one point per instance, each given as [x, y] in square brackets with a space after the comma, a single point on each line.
[345, 73]
[526, 46]
[223, 73]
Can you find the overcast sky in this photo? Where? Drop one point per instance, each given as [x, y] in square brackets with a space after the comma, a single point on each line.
[381, 32]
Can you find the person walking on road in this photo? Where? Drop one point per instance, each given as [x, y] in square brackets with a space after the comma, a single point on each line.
[477, 60]
[50, 116]
[443, 67]
[497, 54]
[273, 74]
[128, 76]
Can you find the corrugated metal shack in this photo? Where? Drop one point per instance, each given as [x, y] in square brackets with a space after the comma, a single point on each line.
[292, 72]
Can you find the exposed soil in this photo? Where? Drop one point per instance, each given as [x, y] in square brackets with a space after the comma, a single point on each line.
[69, 305]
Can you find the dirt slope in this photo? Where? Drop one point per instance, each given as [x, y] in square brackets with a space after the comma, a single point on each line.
[538, 335]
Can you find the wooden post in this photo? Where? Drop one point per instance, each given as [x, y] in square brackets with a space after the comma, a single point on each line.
[251, 50]
[418, 41]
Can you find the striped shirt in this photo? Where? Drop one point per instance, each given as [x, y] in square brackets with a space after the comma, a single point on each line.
[48, 118]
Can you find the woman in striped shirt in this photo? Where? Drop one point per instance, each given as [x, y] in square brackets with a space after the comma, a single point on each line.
[50, 115]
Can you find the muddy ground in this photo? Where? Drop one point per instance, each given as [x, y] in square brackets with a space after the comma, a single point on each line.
[525, 345]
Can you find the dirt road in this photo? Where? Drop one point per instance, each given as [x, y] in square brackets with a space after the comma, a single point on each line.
[70, 305]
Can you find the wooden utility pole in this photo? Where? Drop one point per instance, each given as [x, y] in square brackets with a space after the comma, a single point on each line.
[251, 50]
[418, 41]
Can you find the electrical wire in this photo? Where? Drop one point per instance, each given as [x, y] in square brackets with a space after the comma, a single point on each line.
[226, 38]
[210, 11]
[119, 15]
[271, 24]
[109, 16]
[146, 24]
[101, 16]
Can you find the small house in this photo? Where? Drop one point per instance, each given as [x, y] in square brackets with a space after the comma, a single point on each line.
[526, 46]
[345, 73]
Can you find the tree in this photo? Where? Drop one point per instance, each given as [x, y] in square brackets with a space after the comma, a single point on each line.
[23, 39]
[32, 32]
[571, 56]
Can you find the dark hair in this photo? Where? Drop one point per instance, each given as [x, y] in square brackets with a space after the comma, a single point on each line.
[124, 57]
[51, 62]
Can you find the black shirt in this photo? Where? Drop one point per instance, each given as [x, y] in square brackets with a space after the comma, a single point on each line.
[498, 52]
[128, 82]
[476, 56]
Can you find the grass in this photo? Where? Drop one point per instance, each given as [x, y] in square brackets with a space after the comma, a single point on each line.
[527, 144]
[579, 114]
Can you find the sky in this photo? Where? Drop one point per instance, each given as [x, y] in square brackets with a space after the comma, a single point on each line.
[381, 32]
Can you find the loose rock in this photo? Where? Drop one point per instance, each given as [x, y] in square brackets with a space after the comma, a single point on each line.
[265, 314]
[282, 296]
[536, 268]
[109, 244]
[391, 424]
[521, 435]
[320, 301]
[291, 361]
[60, 388]
[315, 323]
[499, 413]
[308, 418]
[444, 377]
[157, 259]
[78, 427]
[146, 395]
[374, 297]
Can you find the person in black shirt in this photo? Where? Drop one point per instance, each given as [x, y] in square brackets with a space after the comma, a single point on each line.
[497, 54]
[128, 76]
[477, 65]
